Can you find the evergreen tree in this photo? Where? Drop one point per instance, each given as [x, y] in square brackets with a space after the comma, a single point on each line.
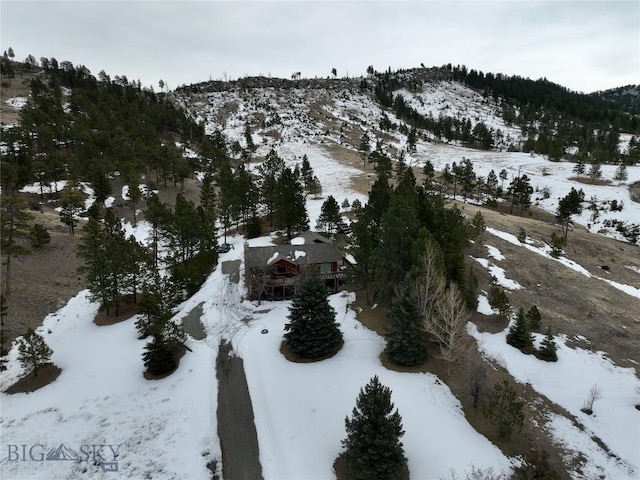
[159, 358]
[270, 171]
[621, 174]
[429, 173]
[39, 236]
[345, 203]
[406, 339]
[477, 225]
[312, 331]
[503, 409]
[534, 318]
[364, 147]
[579, 168]
[503, 176]
[249, 138]
[356, 205]
[160, 218]
[520, 191]
[519, 335]
[14, 225]
[568, 206]
[373, 450]
[254, 225]
[134, 194]
[33, 351]
[290, 206]
[329, 218]
[3, 309]
[72, 205]
[492, 184]
[315, 187]
[548, 349]
[467, 177]
[499, 299]
[393, 256]
[159, 297]
[595, 171]
[306, 172]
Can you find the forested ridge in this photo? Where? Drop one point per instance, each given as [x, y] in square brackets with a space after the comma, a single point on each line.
[77, 126]
[552, 119]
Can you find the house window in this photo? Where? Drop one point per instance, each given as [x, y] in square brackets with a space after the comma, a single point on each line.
[326, 268]
[281, 269]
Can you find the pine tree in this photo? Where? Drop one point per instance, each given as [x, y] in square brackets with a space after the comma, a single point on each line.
[477, 225]
[519, 335]
[492, 184]
[579, 168]
[406, 340]
[39, 235]
[329, 215]
[504, 409]
[14, 219]
[4, 310]
[312, 331]
[158, 356]
[72, 205]
[548, 349]
[621, 174]
[254, 225]
[306, 172]
[290, 207]
[373, 450]
[33, 352]
[534, 318]
[595, 171]
[569, 205]
[315, 187]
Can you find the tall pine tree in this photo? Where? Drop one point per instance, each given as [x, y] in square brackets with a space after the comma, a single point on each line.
[373, 450]
[406, 340]
[548, 349]
[312, 331]
[519, 335]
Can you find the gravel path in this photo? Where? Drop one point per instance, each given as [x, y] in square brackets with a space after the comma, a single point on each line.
[236, 428]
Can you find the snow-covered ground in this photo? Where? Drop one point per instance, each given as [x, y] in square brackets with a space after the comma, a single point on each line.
[567, 383]
[17, 102]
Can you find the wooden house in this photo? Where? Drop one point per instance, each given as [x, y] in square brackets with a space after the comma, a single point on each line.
[275, 272]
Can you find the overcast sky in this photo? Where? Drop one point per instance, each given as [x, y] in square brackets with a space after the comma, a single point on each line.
[585, 46]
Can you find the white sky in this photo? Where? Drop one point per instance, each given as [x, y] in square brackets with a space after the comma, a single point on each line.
[585, 46]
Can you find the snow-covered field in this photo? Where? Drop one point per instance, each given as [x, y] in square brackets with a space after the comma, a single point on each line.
[167, 429]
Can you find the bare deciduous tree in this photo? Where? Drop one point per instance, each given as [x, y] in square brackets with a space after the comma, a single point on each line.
[449, 327]
[594, 394]
[477, 382]
[429, 284]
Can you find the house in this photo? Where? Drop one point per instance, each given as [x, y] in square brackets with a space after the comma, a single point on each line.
[275, 272]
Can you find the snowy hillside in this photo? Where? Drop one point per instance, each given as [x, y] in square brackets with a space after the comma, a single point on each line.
[315, 120]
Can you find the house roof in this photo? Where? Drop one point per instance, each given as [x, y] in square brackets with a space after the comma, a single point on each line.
[313, 253]
[309, 237]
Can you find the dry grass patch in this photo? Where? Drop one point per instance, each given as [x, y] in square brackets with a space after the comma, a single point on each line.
[589, 181]
[341, 473]
[292, 357]
[125, 312]
[47, 373]
[179, 352]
